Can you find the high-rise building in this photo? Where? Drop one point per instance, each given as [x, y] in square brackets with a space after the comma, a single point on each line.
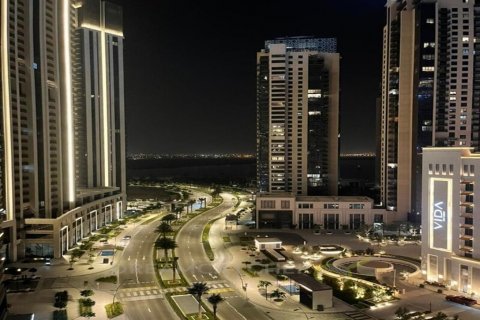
[298, 116]
[430, 91]
[450, 222]
[63, 148]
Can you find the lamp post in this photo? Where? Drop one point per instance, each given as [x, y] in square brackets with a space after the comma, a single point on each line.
[244, 284]
[394, 276]
[116, 290]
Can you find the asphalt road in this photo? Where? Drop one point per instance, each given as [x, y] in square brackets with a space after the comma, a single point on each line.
[196, 267]
[138, 288]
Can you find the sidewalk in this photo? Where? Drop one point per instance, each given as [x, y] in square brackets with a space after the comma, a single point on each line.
[60, 267]
[57, 277]
[232, 257]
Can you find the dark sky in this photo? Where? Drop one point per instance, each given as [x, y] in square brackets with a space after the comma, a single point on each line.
[190, 68]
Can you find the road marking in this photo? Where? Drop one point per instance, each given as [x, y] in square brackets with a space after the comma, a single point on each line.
[241, 315]
[136, 270]
[128, 258]
[143, 258]
[195, 276]
[149, 310]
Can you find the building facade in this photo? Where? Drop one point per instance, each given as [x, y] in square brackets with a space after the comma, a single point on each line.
[298, 116]
[287, 210]
[63, 147]
[450, 210]
[430, 91]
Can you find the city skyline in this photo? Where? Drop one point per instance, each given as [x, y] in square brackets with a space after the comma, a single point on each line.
[194, 70]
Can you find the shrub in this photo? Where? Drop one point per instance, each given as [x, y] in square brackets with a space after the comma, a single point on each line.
[257, 268]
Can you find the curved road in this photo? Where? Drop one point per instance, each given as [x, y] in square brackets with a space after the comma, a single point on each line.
[138, 290]
[195, 265]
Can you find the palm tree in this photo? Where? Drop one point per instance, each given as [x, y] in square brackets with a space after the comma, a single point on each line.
[164, 228]
[264, 284]
[165, 244]
[215, 299]
[169, 218]
[277, 294]
[191, 202]
[198, 289]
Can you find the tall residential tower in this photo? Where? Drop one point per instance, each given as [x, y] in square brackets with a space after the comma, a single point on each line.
[63, 148]
[298, 116]
[430, 91]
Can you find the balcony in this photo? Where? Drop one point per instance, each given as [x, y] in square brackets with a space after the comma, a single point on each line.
[466, 237]
[466, 226]
[466, 249]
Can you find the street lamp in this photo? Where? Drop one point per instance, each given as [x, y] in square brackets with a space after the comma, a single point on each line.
[244, 284]
[394, 276]
[116, 290]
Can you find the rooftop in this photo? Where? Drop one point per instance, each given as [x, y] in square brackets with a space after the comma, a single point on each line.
[267, 240]
[308, 282]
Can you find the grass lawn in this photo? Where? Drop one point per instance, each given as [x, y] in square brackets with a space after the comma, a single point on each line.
[114, 310]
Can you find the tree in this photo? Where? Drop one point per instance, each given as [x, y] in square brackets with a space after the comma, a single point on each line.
[198, 289]
[277, 294]
[264, 284]
[178, 212]
[164, 228]
[88, 314]
[190, 204]
[169, 218]
[214, 300]
[165, 244]
[403, 313]
[86, 293]
[88, 302]
[74, 256]
[439, 316]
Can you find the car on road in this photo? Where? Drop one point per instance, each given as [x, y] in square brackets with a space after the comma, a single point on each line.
[127, 237]
[461, 300]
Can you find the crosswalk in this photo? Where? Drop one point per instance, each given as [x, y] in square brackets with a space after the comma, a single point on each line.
[153, 292]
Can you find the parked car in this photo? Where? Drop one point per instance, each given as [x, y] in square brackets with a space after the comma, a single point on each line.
[127, 237]
[461, 300]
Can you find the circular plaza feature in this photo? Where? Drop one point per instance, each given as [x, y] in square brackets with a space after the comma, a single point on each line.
[373, 267]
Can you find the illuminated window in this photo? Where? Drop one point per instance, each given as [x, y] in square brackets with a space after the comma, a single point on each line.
[430, 21]
[428, 69]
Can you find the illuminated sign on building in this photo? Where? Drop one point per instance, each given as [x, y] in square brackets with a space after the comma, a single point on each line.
[440, 214]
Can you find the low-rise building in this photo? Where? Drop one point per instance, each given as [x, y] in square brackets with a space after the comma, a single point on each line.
[307, 212]
[450, 223]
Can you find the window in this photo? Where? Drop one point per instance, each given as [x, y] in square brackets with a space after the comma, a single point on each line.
[356, 206]
[430, 21]
[428, 69]
[330, 206]
[267, 204]
[285, 204]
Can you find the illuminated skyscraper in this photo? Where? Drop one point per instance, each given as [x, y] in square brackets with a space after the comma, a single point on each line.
[430, 91]
[298, 116]
[63, 147]
[450, 218]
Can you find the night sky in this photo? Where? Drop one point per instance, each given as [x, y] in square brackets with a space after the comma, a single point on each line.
[190, 83]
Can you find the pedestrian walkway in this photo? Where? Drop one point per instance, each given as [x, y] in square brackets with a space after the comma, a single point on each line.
[60, 267]
[140, 293]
